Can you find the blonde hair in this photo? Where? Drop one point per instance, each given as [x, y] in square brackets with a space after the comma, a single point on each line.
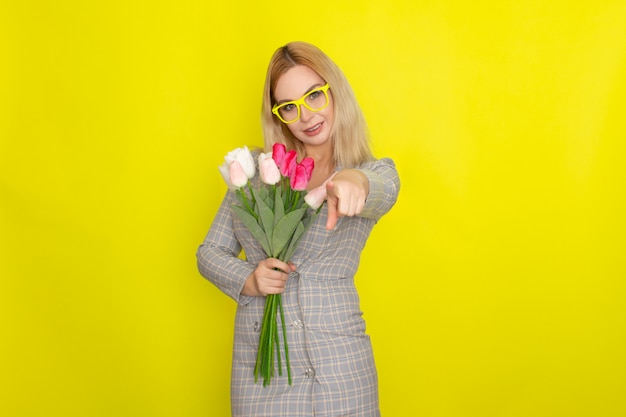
[349, 135]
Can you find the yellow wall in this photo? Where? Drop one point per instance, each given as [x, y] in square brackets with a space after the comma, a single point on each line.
[496, 286]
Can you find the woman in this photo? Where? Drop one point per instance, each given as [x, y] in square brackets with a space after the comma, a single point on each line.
[308, 106]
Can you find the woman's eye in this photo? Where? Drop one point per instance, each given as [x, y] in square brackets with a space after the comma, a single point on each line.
[313, 95]
[289, 107]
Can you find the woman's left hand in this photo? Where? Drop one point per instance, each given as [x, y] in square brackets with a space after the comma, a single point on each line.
[346, 194]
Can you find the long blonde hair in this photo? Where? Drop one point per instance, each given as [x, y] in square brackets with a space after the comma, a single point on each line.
[349, 135]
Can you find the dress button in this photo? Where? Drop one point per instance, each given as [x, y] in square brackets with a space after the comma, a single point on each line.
[257, 326]
[309, 373]
[298, 324]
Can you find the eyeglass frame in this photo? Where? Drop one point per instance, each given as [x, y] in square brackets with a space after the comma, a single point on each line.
[300, 102]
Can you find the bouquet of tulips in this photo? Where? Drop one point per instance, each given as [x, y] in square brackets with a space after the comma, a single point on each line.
[277, 215]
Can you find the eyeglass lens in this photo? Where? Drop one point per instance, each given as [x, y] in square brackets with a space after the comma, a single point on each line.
[315, 100]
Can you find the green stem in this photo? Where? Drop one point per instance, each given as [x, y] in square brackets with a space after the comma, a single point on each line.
[251, 193]
[277, 341]
[269, 354]
[320, 208]
[282, 320]
[287, 189]
[273, 195]
[258, 367]
[295, 200]
[247, 204]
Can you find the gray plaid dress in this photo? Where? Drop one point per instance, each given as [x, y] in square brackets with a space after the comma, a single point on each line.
[331, 357]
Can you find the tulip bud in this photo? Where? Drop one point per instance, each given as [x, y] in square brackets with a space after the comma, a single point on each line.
[288, 164]
[315, 198]
[278, 153]
[245, 159]
[298, 180]
[268, 170]
[238, 177]
[308, 164]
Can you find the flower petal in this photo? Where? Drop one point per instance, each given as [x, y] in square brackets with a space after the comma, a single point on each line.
[315, 198]
[244, 157]
[268, 170]
[278, 153]
[289, 163]
[309, 164]
[298, 179]
[238, 177]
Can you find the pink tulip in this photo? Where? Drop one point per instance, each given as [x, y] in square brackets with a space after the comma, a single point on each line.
[278, 153]
[238, 177]
[298, 179]
[288, 164]
[315, 198]
[309, 164]
[268, 170]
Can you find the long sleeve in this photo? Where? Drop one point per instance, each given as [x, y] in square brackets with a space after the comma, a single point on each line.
[384, 186]
[217, 256]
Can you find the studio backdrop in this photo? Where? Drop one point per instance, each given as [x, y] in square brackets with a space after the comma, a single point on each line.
[495, 286]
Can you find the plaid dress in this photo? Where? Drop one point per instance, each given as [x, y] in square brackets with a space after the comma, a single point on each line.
[331, 357]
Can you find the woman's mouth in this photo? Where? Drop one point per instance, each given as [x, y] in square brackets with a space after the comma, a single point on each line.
[313, 130]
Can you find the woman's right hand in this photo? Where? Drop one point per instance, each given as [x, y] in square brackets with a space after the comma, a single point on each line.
[269, 277]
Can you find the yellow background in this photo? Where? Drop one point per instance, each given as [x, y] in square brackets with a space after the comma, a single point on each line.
[495, 287]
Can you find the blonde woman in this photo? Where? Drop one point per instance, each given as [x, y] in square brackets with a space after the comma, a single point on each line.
[309, 106]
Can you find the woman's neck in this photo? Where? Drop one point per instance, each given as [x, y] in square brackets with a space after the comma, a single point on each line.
[324, 167]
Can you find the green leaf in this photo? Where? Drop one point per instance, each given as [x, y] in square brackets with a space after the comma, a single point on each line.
[253, 226]
[300, 199]
[270, 198]
[285, 228]
[309, 219]
[260, 194]
[267, 219]
[256, 208]
[239, 196]
[279, 206]
[293, 243]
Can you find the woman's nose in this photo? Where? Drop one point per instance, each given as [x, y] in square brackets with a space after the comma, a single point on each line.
[305, 114]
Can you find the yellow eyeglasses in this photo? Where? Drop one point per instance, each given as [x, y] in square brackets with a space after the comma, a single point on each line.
[315, 100]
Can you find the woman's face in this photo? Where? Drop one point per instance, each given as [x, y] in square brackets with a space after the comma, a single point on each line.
[312, 128]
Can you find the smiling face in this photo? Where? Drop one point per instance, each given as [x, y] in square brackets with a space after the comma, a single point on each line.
[312, 128]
